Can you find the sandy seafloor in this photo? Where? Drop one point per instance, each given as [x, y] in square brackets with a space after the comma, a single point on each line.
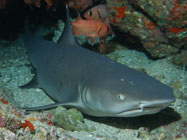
[170, 123]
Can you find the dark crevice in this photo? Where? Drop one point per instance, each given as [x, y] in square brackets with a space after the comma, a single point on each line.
[13, 17]
[136, 7]
[131, 42]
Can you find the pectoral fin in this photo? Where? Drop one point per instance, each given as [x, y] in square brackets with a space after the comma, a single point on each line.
[33, 83]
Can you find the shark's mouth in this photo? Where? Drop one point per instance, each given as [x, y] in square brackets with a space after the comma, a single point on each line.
[146, 108]
[140, 112]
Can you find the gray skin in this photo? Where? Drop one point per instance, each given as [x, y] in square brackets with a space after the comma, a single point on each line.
[76, 77]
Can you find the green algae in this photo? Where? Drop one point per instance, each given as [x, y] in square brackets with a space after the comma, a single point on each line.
[70, 119]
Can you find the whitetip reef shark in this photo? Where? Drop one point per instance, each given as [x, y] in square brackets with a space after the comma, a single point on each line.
[76, 77]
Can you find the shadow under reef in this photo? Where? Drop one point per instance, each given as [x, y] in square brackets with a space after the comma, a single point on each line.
[150, 122]
[123, 39]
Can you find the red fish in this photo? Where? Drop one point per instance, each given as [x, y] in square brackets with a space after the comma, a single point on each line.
[92, 29]
[97, 12]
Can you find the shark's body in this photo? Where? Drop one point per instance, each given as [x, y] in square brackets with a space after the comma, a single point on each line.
[76, 77]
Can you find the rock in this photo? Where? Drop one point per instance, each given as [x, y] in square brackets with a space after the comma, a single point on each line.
[70, 119]
[159, 25]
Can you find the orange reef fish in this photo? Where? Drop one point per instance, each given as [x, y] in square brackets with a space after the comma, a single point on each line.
[97, 12]
[90, 28]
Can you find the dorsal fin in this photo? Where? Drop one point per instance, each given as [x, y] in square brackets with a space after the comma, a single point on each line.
[67, 35]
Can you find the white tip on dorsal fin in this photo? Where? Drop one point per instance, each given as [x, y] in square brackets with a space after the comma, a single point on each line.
[67, 35]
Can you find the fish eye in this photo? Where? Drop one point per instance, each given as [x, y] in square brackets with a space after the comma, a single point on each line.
[90, 13]
[121, 97]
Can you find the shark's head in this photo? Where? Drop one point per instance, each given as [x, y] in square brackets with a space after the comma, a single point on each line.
[120, 95]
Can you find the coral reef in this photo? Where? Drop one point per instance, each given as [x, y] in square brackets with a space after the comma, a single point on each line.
[15, 124]
[180, 59]
[160, 25]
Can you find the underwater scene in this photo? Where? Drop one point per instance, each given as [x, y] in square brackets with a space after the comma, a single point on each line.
[93, 70]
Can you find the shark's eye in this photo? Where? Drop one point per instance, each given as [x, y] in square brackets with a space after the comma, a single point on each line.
[121, 97]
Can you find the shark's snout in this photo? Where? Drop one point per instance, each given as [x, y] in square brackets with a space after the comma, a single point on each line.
[146, 107]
